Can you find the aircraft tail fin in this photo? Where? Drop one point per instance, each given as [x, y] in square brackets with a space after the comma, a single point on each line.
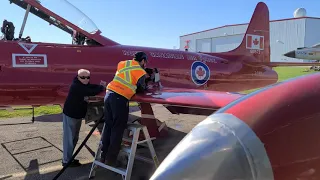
[256, 40]
[255, 45]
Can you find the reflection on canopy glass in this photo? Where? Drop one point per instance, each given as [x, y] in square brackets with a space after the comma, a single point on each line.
[66, 10]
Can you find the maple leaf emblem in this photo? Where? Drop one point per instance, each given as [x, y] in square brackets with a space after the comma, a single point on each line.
[200, 72]
[255, 42]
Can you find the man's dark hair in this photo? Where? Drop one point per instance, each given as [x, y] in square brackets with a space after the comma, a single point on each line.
[139, 56]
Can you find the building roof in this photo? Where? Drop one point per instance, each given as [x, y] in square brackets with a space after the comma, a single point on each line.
[287, 19]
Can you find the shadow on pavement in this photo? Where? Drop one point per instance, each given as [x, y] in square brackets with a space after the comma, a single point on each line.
[81, 173]
[12, 124]
[49, 118]
[141, 170]
[33, 170]
[58, 117]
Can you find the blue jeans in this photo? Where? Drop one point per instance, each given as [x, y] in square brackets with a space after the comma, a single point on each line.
[71, 129]
[116, 114]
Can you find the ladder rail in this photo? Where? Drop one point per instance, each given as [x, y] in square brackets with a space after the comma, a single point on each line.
[97, 156]
[151, 148]
[133, 149]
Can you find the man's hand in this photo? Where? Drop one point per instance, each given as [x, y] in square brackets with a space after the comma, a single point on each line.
[149, 75]
[150, 86]
[103, 83]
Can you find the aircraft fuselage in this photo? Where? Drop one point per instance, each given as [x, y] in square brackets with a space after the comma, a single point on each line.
[42, 74]
[305, 53]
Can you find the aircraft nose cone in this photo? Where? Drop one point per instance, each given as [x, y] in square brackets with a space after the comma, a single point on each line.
[291, 54]
[220, 147]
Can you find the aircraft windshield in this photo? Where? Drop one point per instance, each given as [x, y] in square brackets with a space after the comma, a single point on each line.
[66, 10]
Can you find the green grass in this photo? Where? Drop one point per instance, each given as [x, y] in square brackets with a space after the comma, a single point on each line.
[290, 72]
[38, 111]
[283, 72]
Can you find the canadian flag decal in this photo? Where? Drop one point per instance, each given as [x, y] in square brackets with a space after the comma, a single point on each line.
[254, 42]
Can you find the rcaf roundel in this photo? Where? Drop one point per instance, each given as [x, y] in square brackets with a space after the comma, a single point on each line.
[200, 73]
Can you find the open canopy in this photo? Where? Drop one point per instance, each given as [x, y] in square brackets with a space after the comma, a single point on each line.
[67, 17]
[70, 13]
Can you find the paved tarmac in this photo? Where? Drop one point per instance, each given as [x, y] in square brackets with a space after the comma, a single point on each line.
[33, 151]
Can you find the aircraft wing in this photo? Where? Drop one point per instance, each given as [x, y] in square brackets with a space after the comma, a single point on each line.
[188, 98]
[178, 100]
[276, 64]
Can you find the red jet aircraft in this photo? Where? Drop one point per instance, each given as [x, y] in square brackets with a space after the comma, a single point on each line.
[35, 73]
[276, 140]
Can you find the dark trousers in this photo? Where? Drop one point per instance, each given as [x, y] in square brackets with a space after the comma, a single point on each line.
[116, 112]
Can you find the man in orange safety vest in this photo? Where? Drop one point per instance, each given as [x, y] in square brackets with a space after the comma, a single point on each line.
[129, 79]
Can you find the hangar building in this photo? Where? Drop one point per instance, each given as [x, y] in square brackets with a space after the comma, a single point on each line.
[285, 35]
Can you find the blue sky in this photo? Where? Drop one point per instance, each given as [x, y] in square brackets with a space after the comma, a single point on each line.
[153, 23]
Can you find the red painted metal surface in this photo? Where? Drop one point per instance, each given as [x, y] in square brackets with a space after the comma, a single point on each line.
[22, 83]
[151, 122]
[285, 117]
[50, 84]
[195, 98]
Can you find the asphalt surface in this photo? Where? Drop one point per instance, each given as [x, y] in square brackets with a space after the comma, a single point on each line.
[33, 151]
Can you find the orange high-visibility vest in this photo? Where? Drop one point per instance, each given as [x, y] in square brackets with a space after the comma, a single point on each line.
[126, 78]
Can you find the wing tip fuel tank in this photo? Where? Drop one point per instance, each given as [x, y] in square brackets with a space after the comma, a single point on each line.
[220, 147]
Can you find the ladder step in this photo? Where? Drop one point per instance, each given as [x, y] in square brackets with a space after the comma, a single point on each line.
[133, 126]
[137, 156]
[139, 142]
[117, 170]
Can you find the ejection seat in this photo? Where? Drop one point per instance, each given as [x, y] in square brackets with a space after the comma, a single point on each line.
[78, 38]
[8, 32]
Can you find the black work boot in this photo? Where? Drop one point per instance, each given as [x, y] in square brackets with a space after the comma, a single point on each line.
[74, 163]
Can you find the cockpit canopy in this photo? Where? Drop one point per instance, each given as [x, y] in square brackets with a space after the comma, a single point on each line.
[70, 13]
[59, 13]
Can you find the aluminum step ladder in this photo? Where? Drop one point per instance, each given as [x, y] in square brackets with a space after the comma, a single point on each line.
[129, 151]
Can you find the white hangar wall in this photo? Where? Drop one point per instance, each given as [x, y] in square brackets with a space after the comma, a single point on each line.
[206, 37]
[312, 31]
[285, 35]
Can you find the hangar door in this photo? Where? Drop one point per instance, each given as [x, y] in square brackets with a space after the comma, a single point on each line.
[203, 45]
[226, 43]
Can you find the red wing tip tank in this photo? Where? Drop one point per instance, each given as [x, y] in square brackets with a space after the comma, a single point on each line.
[269, 134]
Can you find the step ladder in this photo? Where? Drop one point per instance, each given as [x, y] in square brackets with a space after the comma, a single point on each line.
[129, 151]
